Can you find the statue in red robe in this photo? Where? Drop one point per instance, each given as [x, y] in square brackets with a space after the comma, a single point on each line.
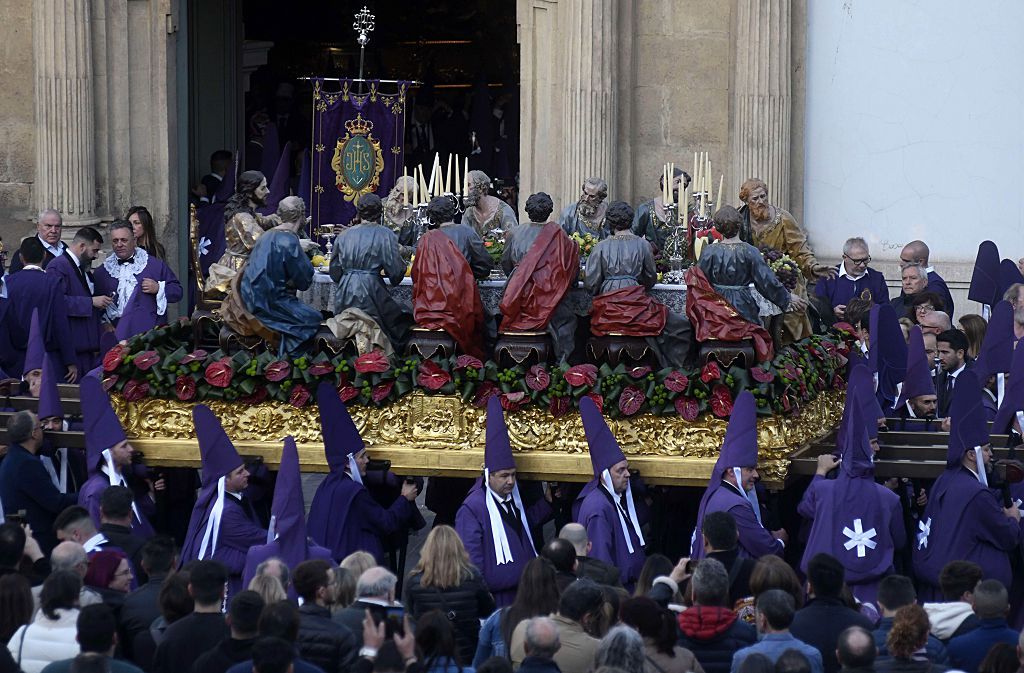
[444, 292]
[542, 263]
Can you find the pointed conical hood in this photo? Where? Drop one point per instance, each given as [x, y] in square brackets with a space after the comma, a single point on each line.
[859, 377]
[968, 427]
[857, 452]
[604, 450]
[985, 278]
[1009, 273]
[102, 427]
[288, 507]
[215, 448]
[918, 380]
[739, 449]
[1013, 398]
[498, 449]
[996, 351]
[49, 395]
[341, 437]
[888, 353]
[35, 350]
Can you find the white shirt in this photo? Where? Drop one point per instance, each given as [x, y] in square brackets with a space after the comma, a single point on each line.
[844, 274]
[56, 250]
[95, 543]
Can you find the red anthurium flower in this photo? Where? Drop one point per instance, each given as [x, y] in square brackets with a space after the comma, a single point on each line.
[559, 406]
[219, 373]
[721, 401]
[485, 391]
[146, 359]
[598, 400]
[347, 392]
[537, 378]
[381, 391]
[114, 357]
[185, 388]
[761, 375]
[467, 361]
[710, 372]
[299, 396]
[638, 372]
[581, 375]
[432, 377]
[631, 399]
[321, 368]
[194, 356]
[374, 361]
[135, 390]
[677, 382]
[277, 371]
[687, 407]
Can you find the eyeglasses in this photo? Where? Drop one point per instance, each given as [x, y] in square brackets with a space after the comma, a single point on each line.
[924, 308]
[862, 260]
[123, 573]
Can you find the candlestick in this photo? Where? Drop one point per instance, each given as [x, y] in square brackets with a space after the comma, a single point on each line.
[448, 177]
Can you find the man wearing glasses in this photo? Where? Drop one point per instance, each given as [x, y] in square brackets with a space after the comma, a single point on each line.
[48, 230]
[853, 278]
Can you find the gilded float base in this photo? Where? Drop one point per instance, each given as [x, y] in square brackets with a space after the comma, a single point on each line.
[441, 435]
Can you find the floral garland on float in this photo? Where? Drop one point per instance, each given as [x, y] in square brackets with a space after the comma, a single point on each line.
[155, 364]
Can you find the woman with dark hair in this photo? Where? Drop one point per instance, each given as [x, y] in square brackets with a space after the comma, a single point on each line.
[756, 663]
[445, 580]
[770, 572]
[658, 628]
[656, 565]
[1002, 658]
[16, 604]
[435, 638]
[537, 596]
[922, 303]
[974, 326]
[145, 232]
[52, 634]
[906, 643]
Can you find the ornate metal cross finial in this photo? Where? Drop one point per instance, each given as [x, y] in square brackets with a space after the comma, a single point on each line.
[363, 25]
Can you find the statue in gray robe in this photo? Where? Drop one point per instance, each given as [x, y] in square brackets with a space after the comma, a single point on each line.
[361, 252]
[587, 216]
[485, 213]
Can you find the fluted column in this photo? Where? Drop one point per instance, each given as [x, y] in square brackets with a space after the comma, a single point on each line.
[763, 95]
[65, 144]
[589, 122]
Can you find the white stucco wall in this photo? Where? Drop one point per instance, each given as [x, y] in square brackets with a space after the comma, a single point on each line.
[915, 127]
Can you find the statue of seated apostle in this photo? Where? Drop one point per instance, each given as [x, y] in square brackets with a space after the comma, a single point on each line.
[262, 300]
[542, 264]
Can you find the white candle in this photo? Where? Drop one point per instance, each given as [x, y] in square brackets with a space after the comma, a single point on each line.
[448, 177]
[465, 178]
[458, 180]
[405, 186]
[721, 183]
[710, 180]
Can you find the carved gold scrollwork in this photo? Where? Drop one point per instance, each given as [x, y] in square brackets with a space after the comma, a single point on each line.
[439, 434]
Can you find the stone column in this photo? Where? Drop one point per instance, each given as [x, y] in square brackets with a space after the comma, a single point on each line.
[763, 96]
[65, 145]
[589, 121]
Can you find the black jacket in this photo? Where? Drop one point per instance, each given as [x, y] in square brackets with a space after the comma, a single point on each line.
[819, 624]
[597, 570]
[323, 642]
[352, 618]
[228, 653]
[122, 538]
[465, 605]
[538, 665]
[186, 639]
[893, 665]
[141, 608]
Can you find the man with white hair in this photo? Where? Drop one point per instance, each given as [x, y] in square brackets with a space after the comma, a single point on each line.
[1015, 296]
[934, 322]
[71, 556]
[853, 278]
[48, 229]
[541, 643]
[375, 591]
[915, 281]
[274, 567]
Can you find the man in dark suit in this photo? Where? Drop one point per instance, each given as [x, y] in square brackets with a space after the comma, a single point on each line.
[24, 483]
[375, 591]
[590, 568]
[141, 607]
[48, 229]
[29, 291]
[116, 525]
[952, 350]
[84, 308]
[720, 542]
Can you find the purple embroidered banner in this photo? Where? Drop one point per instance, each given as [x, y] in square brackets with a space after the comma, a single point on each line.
[357, 146]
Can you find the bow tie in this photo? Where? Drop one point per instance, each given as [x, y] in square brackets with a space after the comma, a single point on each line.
[130, 260]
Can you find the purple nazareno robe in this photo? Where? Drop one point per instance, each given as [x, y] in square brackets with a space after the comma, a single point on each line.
[854, 519]
[140, 312]
[472, 523]
[289, 521]
[33, 291]
[964, 519]
[239, 530]
[598, 514]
